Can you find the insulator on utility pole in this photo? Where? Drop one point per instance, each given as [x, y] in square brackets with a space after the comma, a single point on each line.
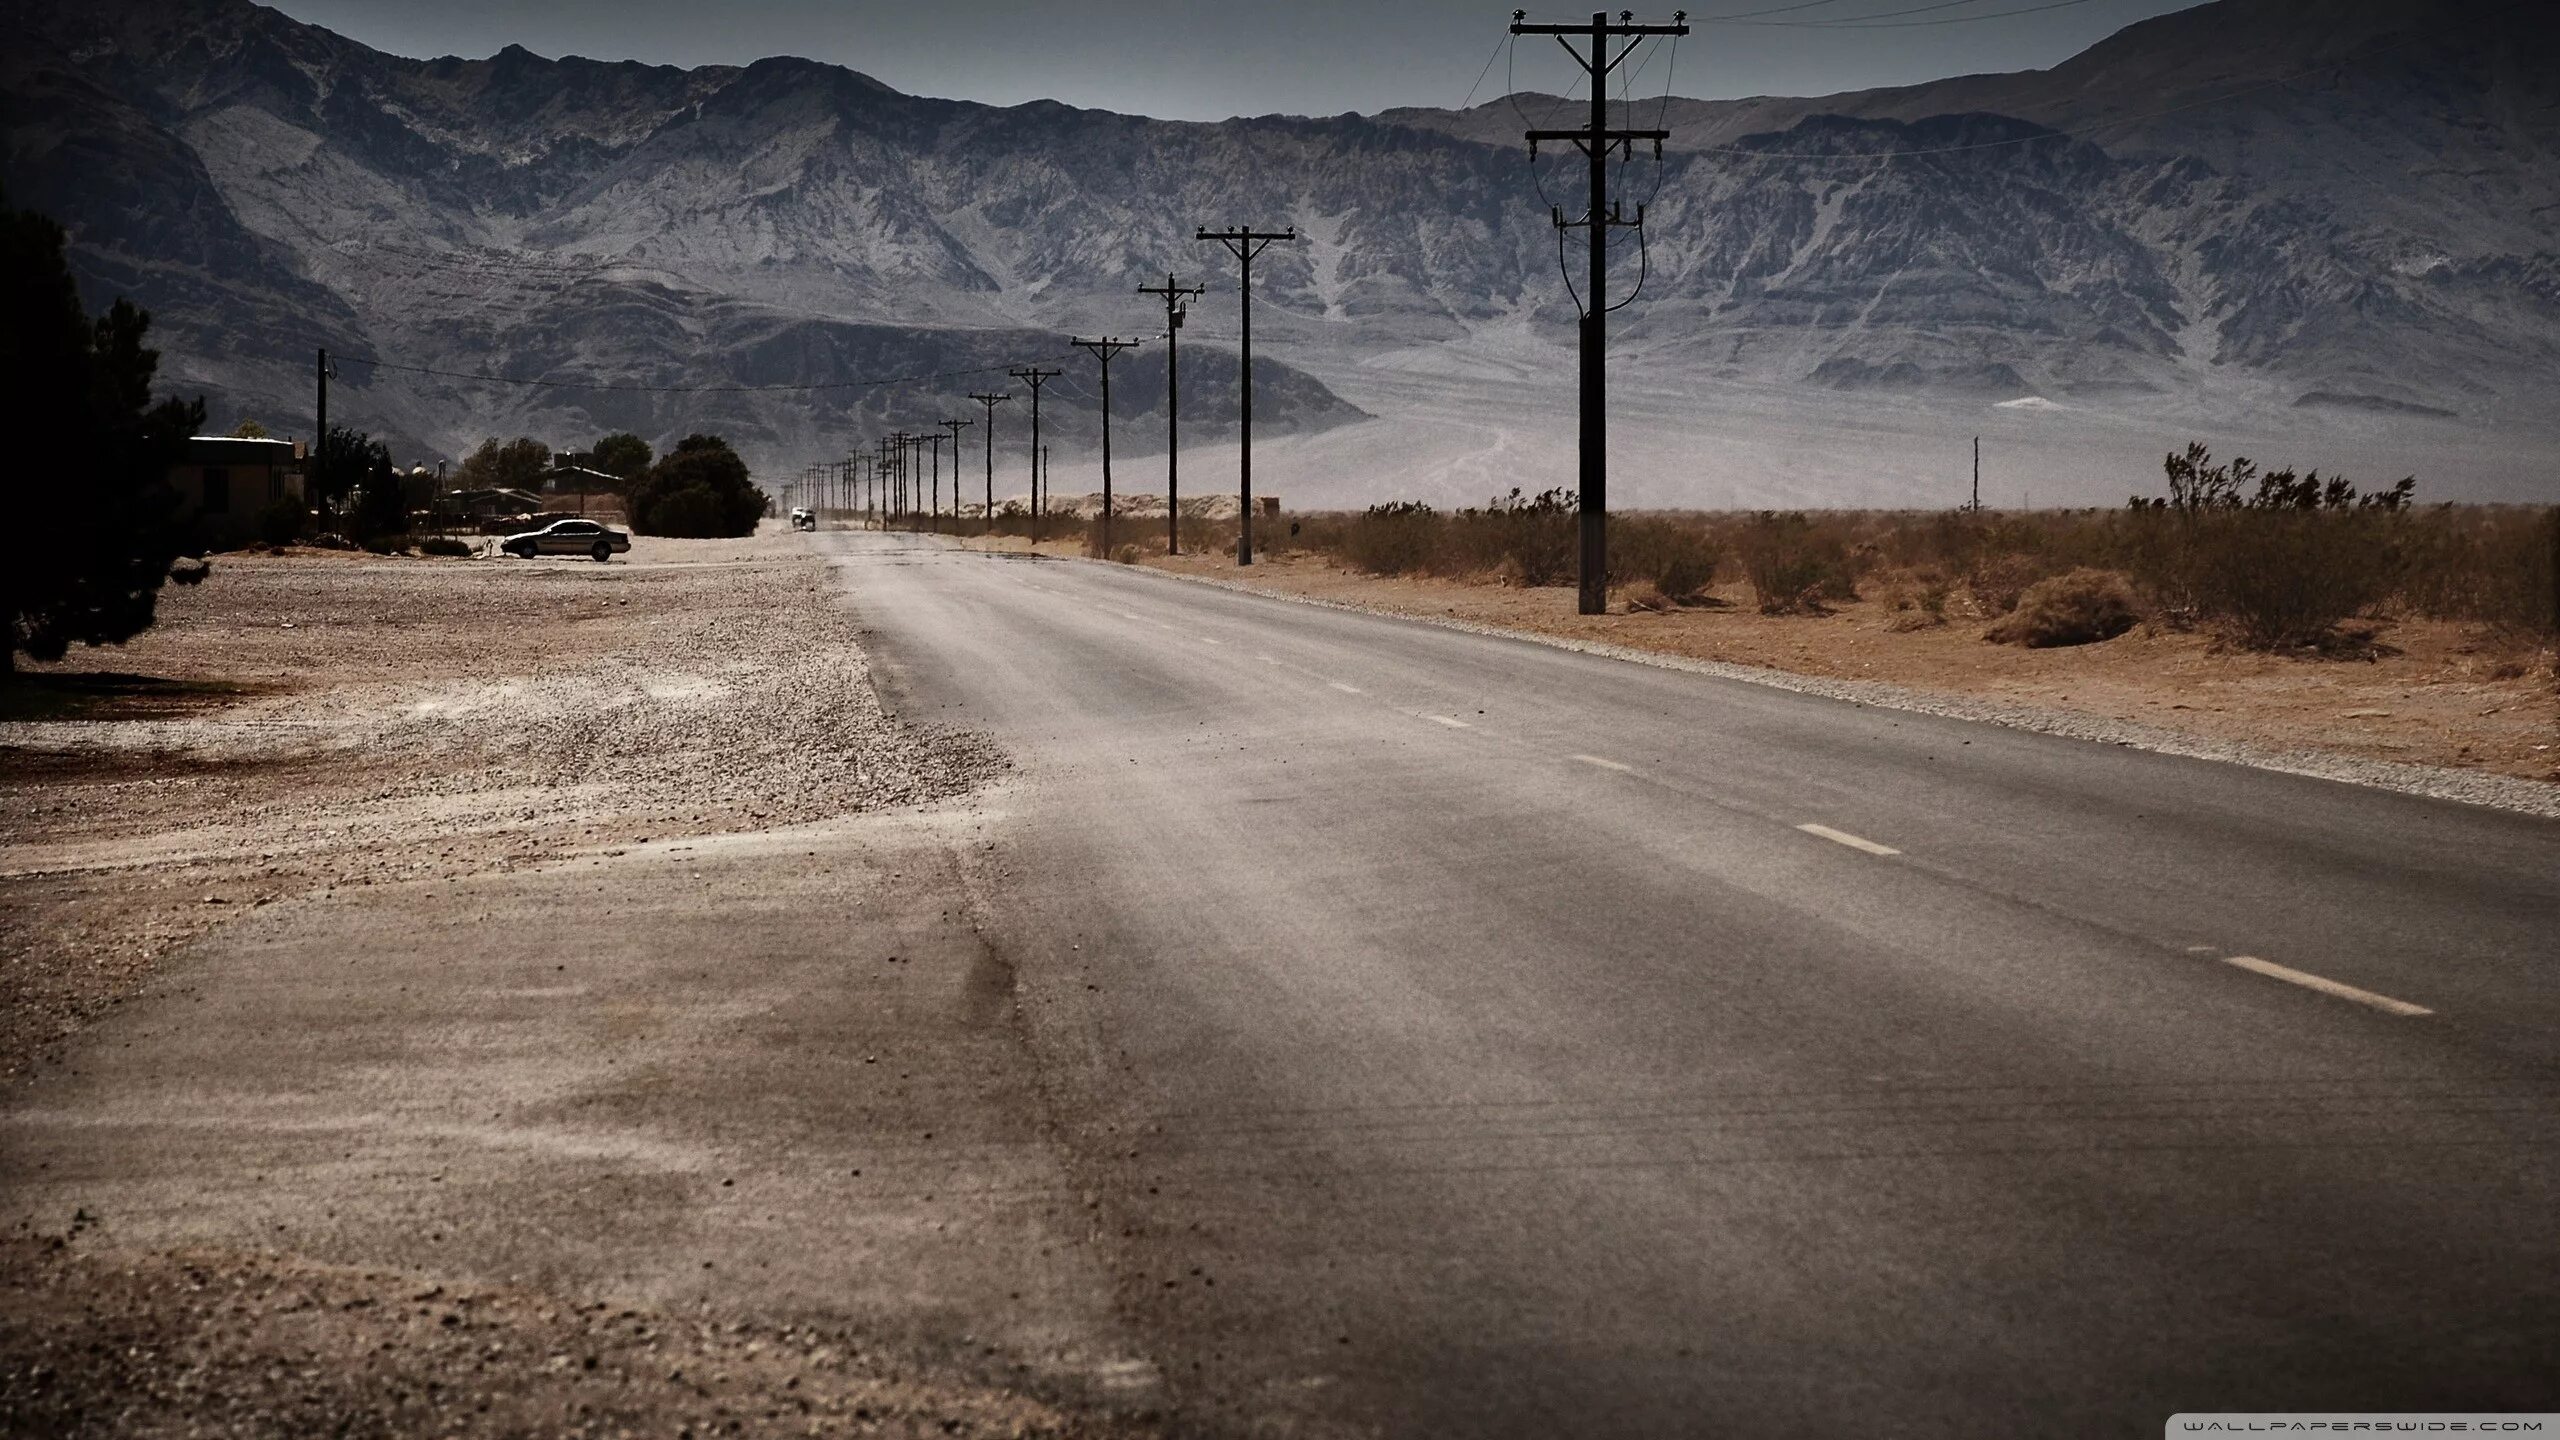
[1596, 142]
[1244, 243]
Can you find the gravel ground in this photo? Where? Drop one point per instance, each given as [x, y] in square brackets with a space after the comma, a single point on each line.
[349, 720]
[211, 1343]
[2471, 787]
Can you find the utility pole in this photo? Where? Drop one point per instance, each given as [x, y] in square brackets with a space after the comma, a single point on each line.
[933, 498]
[898, 476]
[1977, 474]
[989, 434]
[1244, 244]
[955, 427]
[1104, 350]
[1175, 312]
[315, 469]
[1596, 143]
[1035, 377]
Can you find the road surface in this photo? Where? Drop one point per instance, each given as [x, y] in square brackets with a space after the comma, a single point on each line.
[1468, 1036]
[1340, 1025]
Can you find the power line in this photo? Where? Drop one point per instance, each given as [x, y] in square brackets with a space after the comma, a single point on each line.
[546, 382]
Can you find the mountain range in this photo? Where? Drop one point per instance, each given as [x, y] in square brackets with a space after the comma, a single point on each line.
[2319, 226]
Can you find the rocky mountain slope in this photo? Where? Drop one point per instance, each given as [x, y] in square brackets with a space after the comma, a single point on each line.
[2246, 210]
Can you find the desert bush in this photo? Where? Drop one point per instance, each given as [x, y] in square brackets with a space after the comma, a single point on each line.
[2079, 608]
[1793, 565]
[1678, 558]
[444, 545]
[2274, 579]
[1527, 539]
[1917, 598]
[1397, 538]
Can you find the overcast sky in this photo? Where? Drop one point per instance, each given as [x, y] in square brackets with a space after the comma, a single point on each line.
[1211, 61]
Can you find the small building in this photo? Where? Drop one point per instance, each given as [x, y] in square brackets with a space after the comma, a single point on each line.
[224, 483]
[575, 488]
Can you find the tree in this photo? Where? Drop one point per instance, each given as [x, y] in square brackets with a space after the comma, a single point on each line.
[516, 464]
[360, 471]
[248, 430]
[623, 455]
[93, 528]
[701, 490]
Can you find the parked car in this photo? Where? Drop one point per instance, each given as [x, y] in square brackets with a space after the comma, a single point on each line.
[568, 537]
[803, 518]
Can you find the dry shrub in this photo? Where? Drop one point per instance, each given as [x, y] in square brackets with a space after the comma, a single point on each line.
[2281, 579]
[1648, 597]
[1795, 565]
[1393, 539]
[1997, 581]
[1677, 558]
[2079, 608]
[1915, 599]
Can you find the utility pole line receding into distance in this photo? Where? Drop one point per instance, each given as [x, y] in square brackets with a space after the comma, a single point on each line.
[955, 427]
[1596, 143]
[1105, 350]
[990, 402]
[1175, 312]
[1035, 377]
[1244, 244]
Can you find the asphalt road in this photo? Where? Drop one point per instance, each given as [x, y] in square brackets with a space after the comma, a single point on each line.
[1459, 1036]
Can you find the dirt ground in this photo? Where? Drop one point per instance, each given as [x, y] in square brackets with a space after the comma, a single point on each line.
[2426, 693]
[210, 1343]
[312, 721]
[305, 725]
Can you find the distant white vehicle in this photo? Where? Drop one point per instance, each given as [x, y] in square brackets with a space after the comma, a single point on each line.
[568, 537]
[802, 518]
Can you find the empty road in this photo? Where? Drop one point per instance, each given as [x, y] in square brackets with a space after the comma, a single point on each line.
[1453, 1035]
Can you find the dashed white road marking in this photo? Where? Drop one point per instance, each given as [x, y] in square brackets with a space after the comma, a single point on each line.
[1211, 640]
[1605, 764]
[1125, 615]
[1452, 721]
[1843, 837]
[1346, 689]
[1265, 659]
[2325, 985]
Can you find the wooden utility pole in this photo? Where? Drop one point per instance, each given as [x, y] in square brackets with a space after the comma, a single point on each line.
[1244, 244]
[1035, 377]
[1977, 474]
[1175, 312]
[990, 402]
[1597, 143]
[955, 427]
[315, 476]
[1105, 350]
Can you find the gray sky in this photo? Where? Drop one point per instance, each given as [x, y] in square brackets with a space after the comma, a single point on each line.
[1210, 61]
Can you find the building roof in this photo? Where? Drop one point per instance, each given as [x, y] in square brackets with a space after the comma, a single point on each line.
[233, 450]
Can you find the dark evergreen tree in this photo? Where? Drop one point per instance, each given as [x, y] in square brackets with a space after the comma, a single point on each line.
[701, 490]
[93, 527]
